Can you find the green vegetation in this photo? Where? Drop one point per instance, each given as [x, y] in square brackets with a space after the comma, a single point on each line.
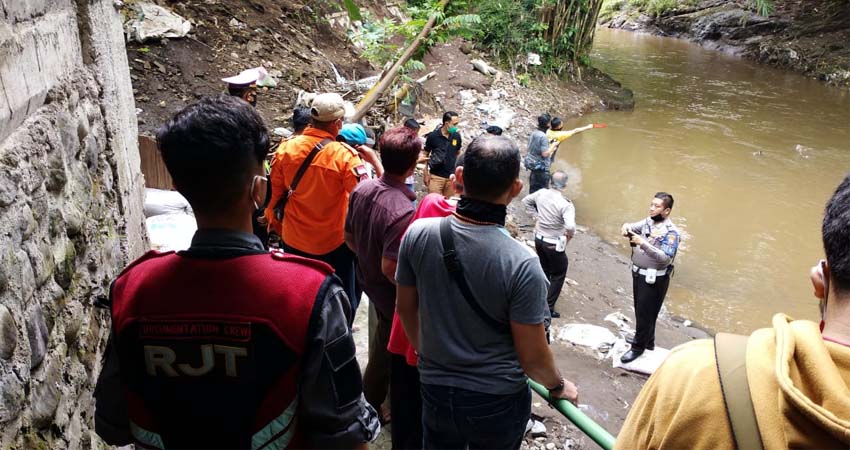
[560, 31]
[658, 8]
[383, 41]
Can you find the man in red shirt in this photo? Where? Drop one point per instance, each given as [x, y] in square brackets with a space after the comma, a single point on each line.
[405, 398]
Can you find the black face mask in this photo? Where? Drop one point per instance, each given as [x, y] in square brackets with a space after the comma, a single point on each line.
[657, 218]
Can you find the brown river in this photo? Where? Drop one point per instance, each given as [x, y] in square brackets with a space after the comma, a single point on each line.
[750, 153]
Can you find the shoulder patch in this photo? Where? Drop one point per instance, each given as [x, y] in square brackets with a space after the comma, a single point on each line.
[360, 172]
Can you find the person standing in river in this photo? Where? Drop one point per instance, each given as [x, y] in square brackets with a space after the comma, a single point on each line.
[654, 241]
[538, 158]
[555, 225]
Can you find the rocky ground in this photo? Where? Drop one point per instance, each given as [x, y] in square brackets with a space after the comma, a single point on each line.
[807, 36]
[303, 52]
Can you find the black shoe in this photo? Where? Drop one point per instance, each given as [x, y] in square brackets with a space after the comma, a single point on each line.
[631, 341]
[630, 356]
[554, 314]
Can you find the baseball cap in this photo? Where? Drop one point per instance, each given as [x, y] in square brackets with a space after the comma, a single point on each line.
[353, 133]
[327, 107]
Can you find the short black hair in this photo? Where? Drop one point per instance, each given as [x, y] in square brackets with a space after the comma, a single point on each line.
[556, 122]
[543, 121]
[413, 124]
[494, 130]
[212, 149]
[836, 237]
[490, 166]
[665, 198]
[300, 118]
[448, 116]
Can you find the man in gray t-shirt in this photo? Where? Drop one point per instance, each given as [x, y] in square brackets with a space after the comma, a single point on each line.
[476, 350]
[538, 160]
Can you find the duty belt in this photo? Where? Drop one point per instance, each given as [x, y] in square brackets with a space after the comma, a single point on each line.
[658, 272]
[548, 240]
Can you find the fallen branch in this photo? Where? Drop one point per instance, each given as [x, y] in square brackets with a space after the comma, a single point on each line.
[390, 75]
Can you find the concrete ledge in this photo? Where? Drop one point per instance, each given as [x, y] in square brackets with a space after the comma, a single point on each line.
[32, 58]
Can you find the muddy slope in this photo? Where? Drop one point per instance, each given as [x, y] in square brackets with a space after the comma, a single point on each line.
[811, 37]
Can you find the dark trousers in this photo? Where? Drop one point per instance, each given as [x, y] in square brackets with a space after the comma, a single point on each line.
[406, 404]
[376, 377]
[554, 264]
[648, 301]
[342, 261]
[537, 180]
[455, 418]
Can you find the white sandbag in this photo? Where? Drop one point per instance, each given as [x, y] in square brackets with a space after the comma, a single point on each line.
[647, 363]
[171, 231]
[158, 202]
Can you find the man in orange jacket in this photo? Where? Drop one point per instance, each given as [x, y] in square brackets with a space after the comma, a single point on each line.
[311, 222]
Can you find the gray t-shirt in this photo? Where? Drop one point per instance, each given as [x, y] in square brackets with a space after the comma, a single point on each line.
[457, 347]
[537, 144]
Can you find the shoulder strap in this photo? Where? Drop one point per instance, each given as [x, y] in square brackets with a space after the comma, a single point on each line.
[455, 269]
[730, 351]
[284, 199]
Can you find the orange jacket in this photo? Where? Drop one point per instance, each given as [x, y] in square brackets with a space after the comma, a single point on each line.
[315, 214]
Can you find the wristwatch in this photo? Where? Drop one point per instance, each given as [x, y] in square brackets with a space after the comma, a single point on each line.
[559, 387]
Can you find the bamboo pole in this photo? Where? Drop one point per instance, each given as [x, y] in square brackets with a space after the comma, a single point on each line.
[592, 429]
[390, 75]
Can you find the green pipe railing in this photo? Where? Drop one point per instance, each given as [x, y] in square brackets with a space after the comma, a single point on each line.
[592, 429]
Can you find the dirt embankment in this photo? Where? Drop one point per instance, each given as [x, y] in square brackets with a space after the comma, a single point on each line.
[807, 36]
[298, 46]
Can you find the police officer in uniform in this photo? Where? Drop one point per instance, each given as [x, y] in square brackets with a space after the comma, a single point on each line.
[226, 345]
[655, 241]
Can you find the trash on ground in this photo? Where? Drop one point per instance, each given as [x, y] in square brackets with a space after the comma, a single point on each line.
[155, 22]
[587, 335]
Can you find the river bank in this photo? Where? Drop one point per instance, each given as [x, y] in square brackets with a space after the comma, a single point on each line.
[808, 37]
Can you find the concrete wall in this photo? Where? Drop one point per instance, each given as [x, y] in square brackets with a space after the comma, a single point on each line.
[70, 211]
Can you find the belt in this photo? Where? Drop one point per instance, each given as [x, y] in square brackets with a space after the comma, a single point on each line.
[658, 273]
[548, 240]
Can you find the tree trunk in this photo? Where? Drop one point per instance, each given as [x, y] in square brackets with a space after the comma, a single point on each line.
[390, 75]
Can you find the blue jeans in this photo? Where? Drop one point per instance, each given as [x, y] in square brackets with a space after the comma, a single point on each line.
[455, 418]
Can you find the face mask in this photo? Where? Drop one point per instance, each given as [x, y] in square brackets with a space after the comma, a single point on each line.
[452, 130]
[657, 218]
[263, 185]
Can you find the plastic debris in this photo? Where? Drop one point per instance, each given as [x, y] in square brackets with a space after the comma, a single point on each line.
[171, 231]
[621, 320]
[483, 67]
[534, 59]
[155, 22]
[587, 335]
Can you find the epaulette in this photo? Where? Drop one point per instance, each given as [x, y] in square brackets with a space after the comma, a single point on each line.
[151, 254]
[350, 148]
[281, 256]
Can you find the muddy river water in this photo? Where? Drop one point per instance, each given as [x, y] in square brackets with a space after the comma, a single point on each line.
[750, 153]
